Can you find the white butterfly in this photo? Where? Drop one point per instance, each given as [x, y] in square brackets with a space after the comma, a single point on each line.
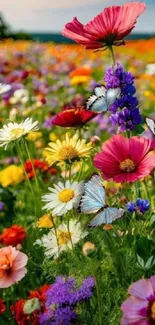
[151, 124]
[93, 201]
[4, 88]
[102, 99]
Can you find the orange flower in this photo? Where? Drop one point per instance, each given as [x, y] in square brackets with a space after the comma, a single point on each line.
[81, 71]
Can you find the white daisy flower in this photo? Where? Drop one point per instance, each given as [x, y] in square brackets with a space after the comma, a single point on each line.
[63, 239]
[20, 96]
[4, 88]
[63, 197]
[13, 131]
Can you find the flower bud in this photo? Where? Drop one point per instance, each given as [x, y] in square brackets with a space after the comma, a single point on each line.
[108, 227]
[95, 139]
[88, 248]
[14, 113]
[31, 305]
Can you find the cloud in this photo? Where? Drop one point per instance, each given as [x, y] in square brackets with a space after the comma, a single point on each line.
[45, 15]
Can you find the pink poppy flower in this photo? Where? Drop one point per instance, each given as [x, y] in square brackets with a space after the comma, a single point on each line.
[106, 29]
[139, 308]
[12, 266]
[125, 160]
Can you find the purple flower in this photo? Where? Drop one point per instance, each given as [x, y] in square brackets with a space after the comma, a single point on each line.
[125, 111]
[2, 205]
[61, 300]
[139, 308]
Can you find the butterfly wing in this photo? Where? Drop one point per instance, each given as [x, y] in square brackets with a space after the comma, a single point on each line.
[100, 91]
[106, 216]
[111, 95]
[96, 104]
[151, 124]
[93, 198]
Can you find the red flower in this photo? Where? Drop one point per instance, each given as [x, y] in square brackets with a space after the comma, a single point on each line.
[17, 309]
[2, 306]
[17, 312]
[125, 160]
[13, 235]
[40, 293]
[108, 28]
[73, 117]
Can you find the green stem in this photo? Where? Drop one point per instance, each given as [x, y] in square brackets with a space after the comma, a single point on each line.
[30, 158]
[146, 190]
[98, 297]
[22, 163]
[112, 55]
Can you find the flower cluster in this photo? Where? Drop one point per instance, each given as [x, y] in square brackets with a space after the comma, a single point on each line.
[62, 298]
[31, 167]
[125, 111]
[140, 206]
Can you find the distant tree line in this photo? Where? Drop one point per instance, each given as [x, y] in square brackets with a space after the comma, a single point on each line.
[6, 32]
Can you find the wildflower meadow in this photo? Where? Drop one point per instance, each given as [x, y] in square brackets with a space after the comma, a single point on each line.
[77, 176]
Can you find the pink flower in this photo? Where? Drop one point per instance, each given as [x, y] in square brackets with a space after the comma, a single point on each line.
[106, 29]
[12, 264]
[139, 308]
[125, 160]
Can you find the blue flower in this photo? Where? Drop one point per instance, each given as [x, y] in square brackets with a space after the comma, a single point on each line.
[130, 206]
[142, 205]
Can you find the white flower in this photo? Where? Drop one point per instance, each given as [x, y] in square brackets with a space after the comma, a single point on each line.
[13, 131]
[150, 69]
[63, 239]
[20, 96]
[4, 88]
[63, 197]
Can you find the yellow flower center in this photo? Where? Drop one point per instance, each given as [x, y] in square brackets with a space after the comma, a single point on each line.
[63, 237]
[68, 153]
[16, 133]
[66, 195]
[153, 311]
[127, 165]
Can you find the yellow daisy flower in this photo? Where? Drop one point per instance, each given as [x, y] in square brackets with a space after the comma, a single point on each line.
[68, 150]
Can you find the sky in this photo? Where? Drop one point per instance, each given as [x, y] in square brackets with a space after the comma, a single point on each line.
[52, 15]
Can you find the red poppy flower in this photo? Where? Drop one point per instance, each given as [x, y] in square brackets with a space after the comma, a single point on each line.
[2, 306]
[73, 117]
[13, 235]
[106, 29]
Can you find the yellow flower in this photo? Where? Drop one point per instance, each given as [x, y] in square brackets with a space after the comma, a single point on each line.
[68, 150]
[52, 136]
[33, 136]
[45, 222]
[79, 80]
[11, 175]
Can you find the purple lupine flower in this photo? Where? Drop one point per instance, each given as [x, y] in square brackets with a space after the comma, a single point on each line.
[139, 308]
[125, 111]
